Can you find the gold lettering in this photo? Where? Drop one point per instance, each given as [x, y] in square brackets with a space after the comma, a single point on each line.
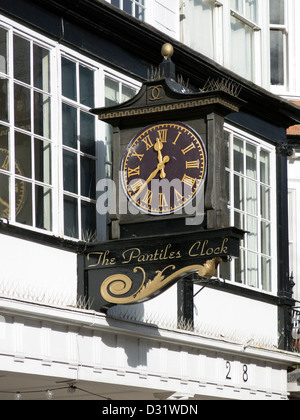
[130, 254]
[103, 259]
[224, 248]
[203, 249]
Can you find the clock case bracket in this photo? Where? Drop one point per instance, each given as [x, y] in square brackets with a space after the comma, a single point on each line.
[163, 99]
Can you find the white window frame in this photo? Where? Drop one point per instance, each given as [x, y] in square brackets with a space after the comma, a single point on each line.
[260, 144]
[14, 28]
[134, 3]
[256, 28]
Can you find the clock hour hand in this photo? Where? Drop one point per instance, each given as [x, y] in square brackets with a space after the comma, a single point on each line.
[160, 166]
[158, 147]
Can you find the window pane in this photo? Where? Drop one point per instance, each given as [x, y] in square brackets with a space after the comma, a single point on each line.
[251, 161]
[88, 221]
[277, 57]
[86, 87]
[21, 59]
[199, 16]
[127, 93]
[69, 115]
[22, 107]
[266, 238]
[265, 203]
[41, 68]
[240, 268]
[251, 199]
[70, 172]
[139, 12]
[265, 167]
[43, 208]
[112, 95]
[115, 3]
[127, 6]
[238, 155]
[241, 48]
[277, 12]
[252, 269]
[266, 273]
[4, 99]
[251, 8]
[71, 216]
[87, 133]
[252, 236]
[4, 195]
[88, 178]
[24, 203]
[42, 154]
[3, 50]
[247, 8]
[239, 192]
[23, 154]
[42, 114]
[69, 89]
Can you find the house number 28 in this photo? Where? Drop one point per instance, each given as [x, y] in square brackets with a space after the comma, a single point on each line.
[245, 372]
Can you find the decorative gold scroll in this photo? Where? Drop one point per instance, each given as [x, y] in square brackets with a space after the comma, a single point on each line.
[115, 288]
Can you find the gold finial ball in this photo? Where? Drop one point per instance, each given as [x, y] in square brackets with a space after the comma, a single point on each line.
[167, 51]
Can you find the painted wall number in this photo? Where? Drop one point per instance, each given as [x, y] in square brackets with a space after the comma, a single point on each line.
[245, 372]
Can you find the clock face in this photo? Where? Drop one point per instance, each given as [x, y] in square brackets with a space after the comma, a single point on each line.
[4, 189]
[164, 168]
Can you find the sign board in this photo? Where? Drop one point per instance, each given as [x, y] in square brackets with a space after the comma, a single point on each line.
[132, 271]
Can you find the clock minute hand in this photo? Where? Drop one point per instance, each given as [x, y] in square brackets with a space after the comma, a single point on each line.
[161, 165]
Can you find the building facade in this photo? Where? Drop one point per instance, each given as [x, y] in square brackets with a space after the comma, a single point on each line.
[229, 337]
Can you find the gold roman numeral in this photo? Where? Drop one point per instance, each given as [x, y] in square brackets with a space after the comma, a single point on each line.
[193, 165]
[175, 141]
[135, 186]
[134, 172]
[148, 198]
[188, 180]
[163, 134]
[135, 154]
[162, 200]
[178, 196]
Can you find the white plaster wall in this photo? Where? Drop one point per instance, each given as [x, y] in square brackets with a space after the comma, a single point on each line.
[236, 318]
[165, 17]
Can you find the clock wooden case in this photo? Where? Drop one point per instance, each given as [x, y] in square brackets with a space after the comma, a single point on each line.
[169, 132]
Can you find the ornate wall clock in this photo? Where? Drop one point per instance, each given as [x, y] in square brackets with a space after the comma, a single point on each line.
[164, 168]
[4, 189]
